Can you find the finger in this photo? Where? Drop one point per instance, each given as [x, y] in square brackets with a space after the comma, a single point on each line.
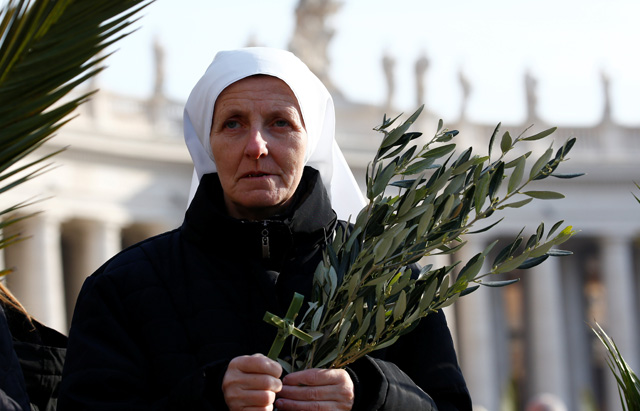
[243, 399]
[256, 364]
[338, 393]
[246, 381]
[283, 404]
[317, 377]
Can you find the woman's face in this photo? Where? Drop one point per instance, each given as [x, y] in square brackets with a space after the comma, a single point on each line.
[258, 141]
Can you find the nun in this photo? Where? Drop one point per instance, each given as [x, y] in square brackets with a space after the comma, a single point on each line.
[175, 322]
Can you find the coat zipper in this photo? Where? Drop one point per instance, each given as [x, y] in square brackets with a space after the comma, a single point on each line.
[265, 242]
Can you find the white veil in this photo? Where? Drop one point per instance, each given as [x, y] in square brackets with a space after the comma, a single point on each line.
[316, 105]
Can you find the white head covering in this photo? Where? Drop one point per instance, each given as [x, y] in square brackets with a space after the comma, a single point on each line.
[316, 105]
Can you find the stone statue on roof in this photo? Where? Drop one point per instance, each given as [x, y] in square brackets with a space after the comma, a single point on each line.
[422, 64]
[466, 91]
[531, 85]
[388, 65]
[312, 35]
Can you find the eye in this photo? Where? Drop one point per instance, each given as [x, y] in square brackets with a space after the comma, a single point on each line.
[281, 123]
[231, 124]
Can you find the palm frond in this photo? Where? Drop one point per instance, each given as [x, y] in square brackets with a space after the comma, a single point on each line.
[628, 383]
[47, 49]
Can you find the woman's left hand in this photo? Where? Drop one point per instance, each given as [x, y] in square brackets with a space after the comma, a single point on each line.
[316, 389]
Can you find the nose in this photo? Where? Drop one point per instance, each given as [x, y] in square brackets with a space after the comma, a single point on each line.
[256, 146]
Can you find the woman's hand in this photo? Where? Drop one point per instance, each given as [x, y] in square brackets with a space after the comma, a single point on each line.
[251, 383]
[316, 390]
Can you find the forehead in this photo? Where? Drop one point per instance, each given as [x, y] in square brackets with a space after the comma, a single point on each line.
[254, 91]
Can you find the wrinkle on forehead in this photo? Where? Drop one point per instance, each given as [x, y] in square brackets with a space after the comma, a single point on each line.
[275, 97]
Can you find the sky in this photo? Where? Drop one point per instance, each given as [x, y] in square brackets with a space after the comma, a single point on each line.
[565, 44]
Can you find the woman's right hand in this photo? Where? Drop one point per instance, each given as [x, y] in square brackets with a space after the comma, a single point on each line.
[251, 382]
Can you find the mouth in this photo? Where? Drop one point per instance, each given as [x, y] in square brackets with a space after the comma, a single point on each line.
[255, 174]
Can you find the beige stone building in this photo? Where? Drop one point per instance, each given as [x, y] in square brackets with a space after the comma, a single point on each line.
[125, 176]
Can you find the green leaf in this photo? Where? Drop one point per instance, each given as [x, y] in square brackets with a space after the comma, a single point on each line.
[448, 206]
[469, 290]
[285, 366]
[425, 220]
[407, 203]
[516, 175]
[344, 329]
[496, 181]
[381, 181]
[567, 176]
[419, 167]
[427, 296]
[559, 253]
[395, 134]
[481, 193]
[441, 181]
[333, 281]
[380, 321]
[444, 287]
[513, 163]
[554, 228]
[450, 300]
[414, 212]
[472, 268]
[382, 247]
[493, 137]
[439, 152]
[462, 158]
[544, 195]
[364, 326]
[400, 307]
[352, 238]
[455, 185]
[541, 135]
[541, 162]
[317, 317]
[512, 264]
[532, 262]
[387, 343]
[407, 183]
[506, 142]
[400, 145]
[328, 358]
[516, 204]
[496, 284]
[489, 227]
[541, 249]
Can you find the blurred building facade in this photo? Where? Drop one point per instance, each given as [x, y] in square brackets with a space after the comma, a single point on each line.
[126, 173]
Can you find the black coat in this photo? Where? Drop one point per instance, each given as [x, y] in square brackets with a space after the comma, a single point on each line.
[31, 360]
[156, 326]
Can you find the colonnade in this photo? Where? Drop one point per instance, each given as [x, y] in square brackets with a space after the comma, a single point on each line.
[560, 349]
[55, 258]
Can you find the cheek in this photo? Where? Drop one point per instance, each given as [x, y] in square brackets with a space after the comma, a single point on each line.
[296, 160]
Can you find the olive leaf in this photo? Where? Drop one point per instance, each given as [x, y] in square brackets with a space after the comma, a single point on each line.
[366, 291]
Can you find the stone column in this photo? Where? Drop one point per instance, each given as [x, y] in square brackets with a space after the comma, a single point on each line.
[91, 244]
[477, 341]
[37, 281]
[616, 262]
[547, 349]
[578, 332]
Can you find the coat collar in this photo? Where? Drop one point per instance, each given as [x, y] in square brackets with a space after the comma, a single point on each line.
[306, 224]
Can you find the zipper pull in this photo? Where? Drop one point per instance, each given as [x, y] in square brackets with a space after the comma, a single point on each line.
[265, 242]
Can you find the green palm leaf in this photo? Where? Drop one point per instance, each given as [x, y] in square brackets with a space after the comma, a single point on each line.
[628, 382]
[48, 48]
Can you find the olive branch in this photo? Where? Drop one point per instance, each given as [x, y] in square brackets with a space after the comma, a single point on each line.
[366, 291]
